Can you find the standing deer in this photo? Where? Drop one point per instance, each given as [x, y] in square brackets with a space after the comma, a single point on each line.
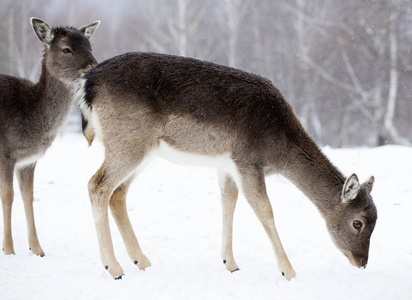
[186, 110]
[31, 115]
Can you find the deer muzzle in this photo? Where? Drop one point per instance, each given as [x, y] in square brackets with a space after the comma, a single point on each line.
[358, 261]
[84, 70]
[88, 67]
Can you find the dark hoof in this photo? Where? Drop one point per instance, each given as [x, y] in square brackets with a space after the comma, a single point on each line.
[234, 270]
[120, 277]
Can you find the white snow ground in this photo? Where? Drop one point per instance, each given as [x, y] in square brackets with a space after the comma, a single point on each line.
[175, 211]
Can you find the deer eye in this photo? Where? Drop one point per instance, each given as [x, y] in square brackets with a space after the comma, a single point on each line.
[357, 225]
[67, 50]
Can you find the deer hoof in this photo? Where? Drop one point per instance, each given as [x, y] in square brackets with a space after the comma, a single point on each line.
[9, 252]
[8, 247]
[120, 277]
[143, 263]
[37, 250]
[115, 270]
[289, 274]
[231, 265]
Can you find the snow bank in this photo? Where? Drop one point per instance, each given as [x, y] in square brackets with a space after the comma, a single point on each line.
[175, 211]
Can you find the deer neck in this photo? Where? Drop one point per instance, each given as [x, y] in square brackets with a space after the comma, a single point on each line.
[54, 100]
[311, 171]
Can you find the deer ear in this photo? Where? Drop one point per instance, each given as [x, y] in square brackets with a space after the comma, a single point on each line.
[350, 188]
[369, 184]
[43, 31]
[88, 30]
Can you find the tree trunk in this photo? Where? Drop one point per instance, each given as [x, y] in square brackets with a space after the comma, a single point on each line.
[389, 127]
[182, 28]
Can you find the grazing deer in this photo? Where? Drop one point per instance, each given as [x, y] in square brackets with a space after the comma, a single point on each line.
[190, 111]
[31, 114]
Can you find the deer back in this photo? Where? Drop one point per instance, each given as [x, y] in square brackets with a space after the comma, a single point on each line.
[194, 106]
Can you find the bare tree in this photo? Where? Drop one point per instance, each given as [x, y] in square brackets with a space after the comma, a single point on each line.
[388, 123]
[356, 71]
[344, 65]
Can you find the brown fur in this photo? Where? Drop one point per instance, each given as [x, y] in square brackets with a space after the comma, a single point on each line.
[139, 102]
[31, 114]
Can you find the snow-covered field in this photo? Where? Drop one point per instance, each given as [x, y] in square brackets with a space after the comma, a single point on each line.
[175, 211]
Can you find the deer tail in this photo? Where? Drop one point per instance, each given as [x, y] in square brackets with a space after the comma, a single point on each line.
[84, 96]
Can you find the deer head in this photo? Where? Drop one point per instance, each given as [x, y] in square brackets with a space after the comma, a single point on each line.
[352, 222]
[68, 53]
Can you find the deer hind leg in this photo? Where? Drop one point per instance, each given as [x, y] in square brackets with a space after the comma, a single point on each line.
[120, 215]
[254, 188]
[229, 193]
[7, 196]
[25, 177]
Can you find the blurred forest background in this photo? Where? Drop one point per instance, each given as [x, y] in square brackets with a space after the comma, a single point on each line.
[346, 66]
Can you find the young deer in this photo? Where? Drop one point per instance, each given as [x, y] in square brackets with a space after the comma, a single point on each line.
[31, 114]
[145, 104]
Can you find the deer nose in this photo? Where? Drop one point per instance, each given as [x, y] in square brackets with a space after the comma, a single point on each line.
[88, 67]
[93, 64]
[358, 261]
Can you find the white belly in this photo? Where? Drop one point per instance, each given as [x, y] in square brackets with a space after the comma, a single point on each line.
[222, 162]
[26, 161]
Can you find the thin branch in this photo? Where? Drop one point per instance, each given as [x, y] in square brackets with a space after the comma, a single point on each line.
[319, 69]
[316, 21]
[341, 84]
[352, 74]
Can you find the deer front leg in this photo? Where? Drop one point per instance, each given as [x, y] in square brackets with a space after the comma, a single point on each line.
[120, 215]
[229, 193]
[253, 184]
[7, 195]
[25, 177]
[100, 190]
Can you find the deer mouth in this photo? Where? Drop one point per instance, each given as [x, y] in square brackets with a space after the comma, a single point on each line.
[87, 68]
[357, 261]
[83, 71]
